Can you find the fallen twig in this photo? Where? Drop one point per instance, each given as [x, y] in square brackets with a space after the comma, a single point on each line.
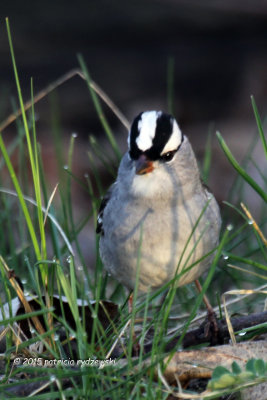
[198, 336]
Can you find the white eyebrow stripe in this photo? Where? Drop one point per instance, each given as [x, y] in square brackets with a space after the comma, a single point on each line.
[175, 139]
[147, 129]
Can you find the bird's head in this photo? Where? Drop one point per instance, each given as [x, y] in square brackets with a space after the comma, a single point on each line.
[154, 138]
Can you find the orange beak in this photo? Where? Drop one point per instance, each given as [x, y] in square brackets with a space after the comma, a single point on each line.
[143, 165]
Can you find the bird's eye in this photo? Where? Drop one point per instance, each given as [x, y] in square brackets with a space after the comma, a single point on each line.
[167, 156]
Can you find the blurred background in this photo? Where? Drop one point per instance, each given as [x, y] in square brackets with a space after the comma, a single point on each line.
[215, 49]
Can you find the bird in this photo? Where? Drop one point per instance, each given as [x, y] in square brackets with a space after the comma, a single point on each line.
[158, 221]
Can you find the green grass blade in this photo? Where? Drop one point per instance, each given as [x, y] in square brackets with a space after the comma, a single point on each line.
[206, 283]
[21, 199]
[206, 166]
[10, 320]
[239, 169]
[259, 124]
[70, 292]
[99, 110]
[32, 156]
[247, 261]
[23, 113]
[103, 157]
[37, 183]
[49, 215]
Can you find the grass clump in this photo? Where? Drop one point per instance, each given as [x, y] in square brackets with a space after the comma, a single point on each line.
[78, 344]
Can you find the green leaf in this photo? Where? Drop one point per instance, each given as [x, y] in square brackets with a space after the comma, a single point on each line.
[224, 381]
[246, 376]
[236, 368]
[219, 371]
[250, 365]
[259, 366]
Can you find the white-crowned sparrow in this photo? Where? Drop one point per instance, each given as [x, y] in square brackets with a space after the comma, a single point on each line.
[157, 213]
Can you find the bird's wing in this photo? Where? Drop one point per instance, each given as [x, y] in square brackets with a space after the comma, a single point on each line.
[104, 202]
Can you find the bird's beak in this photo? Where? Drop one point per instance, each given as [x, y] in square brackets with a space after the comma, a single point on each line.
[143, 165]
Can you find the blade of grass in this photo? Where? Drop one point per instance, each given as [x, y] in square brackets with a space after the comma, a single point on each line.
[69, 203]
[99, 110]
[32, 314]
[245, 260]
[51, 87]
[65, 284]
[21, 199]
[254, 223]
[21, 296]
[207, 157]
[134, 298]
[236, 190]
[259, 124]
[68, 200]
[37, 184]
[102, 156]
[205, 285]
[96, 176]
[50, 202]
[33, 156]
[239, 169]
[51, 217]
[11, 149]
[190, 237]
[246, 271]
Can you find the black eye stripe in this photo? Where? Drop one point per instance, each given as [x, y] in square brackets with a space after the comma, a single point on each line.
[163, 132]
[134, 151]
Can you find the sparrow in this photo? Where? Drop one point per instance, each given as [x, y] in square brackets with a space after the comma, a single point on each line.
[157, 218]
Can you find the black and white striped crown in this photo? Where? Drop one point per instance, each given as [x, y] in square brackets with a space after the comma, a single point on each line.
[154, 134]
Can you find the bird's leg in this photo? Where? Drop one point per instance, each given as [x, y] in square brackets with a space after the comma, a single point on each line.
[205, 299]
[136, 346]
[130, 303]
[212, 321]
